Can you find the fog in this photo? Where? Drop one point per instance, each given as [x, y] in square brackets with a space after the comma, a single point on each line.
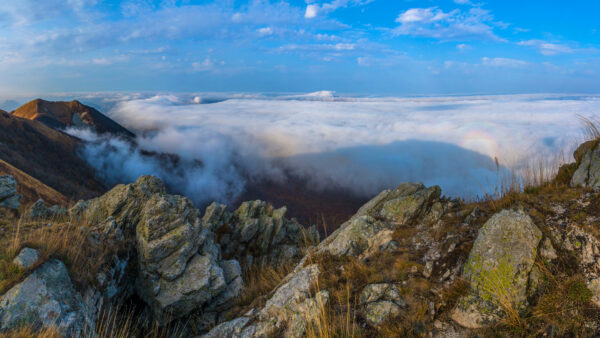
[362, 144]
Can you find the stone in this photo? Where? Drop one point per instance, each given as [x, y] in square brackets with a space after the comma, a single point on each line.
[46, 298]
[547, 250]
[26, 258]
[588, 170]
[8, 193]
[178, 269]
[258, 234]
[498, 269]
[8, 187]
[381, 302]
[389, 210]
[38, 210]
[291, 307]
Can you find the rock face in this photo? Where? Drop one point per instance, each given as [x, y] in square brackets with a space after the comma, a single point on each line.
[381, 302]
[389, 210]
[27, 258]
[8, 193]
[179, 266]
[588, 170]
[498, 269]
[258, 234]
[45, 299]
[291, 306]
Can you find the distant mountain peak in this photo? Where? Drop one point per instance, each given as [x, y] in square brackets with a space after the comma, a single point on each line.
[62, 114]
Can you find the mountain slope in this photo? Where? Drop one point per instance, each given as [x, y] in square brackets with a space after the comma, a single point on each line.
[63, 114]
[31, 188]
[47, 155]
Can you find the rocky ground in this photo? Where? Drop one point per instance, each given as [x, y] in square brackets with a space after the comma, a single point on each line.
[411, 262]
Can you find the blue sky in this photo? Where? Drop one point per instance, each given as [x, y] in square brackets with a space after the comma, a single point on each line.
[379, 47]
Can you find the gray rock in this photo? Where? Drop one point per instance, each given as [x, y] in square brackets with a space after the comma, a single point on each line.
[291, 306]
[588, 171]
[27, 258]
[8, 187]
[381, 302]
[179, 264]
[258, 234]
[389, 210]
[45, 299]
[498, 269]
[8, 193]
[38, 210]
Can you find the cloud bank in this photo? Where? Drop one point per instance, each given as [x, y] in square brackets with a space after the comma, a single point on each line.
[356, 143]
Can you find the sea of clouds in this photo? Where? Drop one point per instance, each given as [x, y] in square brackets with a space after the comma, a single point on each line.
[363, 144]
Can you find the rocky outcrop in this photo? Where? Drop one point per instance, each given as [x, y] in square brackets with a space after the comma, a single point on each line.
[8, 193]
[390, 209]
[26, 258]
[381, 302]
[258, 234]
[588, 166]
[291, 307]
[46, 299]
[179, 267]
[498, 269]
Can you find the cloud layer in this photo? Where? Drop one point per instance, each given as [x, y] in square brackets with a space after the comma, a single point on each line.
[361, 144]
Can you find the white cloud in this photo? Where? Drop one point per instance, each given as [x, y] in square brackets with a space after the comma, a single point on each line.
[359, 143]
[313, 10]
[265, 31]
[503, 62]
[432, 22]
[424, 15]
[463, 46]
[549, 48]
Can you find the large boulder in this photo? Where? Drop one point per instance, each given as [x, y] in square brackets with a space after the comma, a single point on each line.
[588, 166]
[178, 267]
[8, 193]
[498, 269]
[46, 299]
[388, 211]
[256, 233]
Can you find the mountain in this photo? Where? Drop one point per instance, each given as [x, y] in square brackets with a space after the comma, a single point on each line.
[63, 114]
[47, 155]
[31, 188]
[3, 112]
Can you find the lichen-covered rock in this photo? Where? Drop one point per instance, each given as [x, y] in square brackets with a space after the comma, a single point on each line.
[588, 170]
[498, 269]
[291, 306]
[26, 258]
[8, 193]
[381, 302]
[389, 210]
[258, 234]
[39, 210]
[178, 262]
[45, 299]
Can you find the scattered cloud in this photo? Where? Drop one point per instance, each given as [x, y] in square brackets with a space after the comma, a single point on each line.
[432, 22]
[503, 62]
[314, 9]
[550, 48]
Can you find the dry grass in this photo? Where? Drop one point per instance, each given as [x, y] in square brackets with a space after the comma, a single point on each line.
[259, 282]
[67, 241]
[28, 333]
